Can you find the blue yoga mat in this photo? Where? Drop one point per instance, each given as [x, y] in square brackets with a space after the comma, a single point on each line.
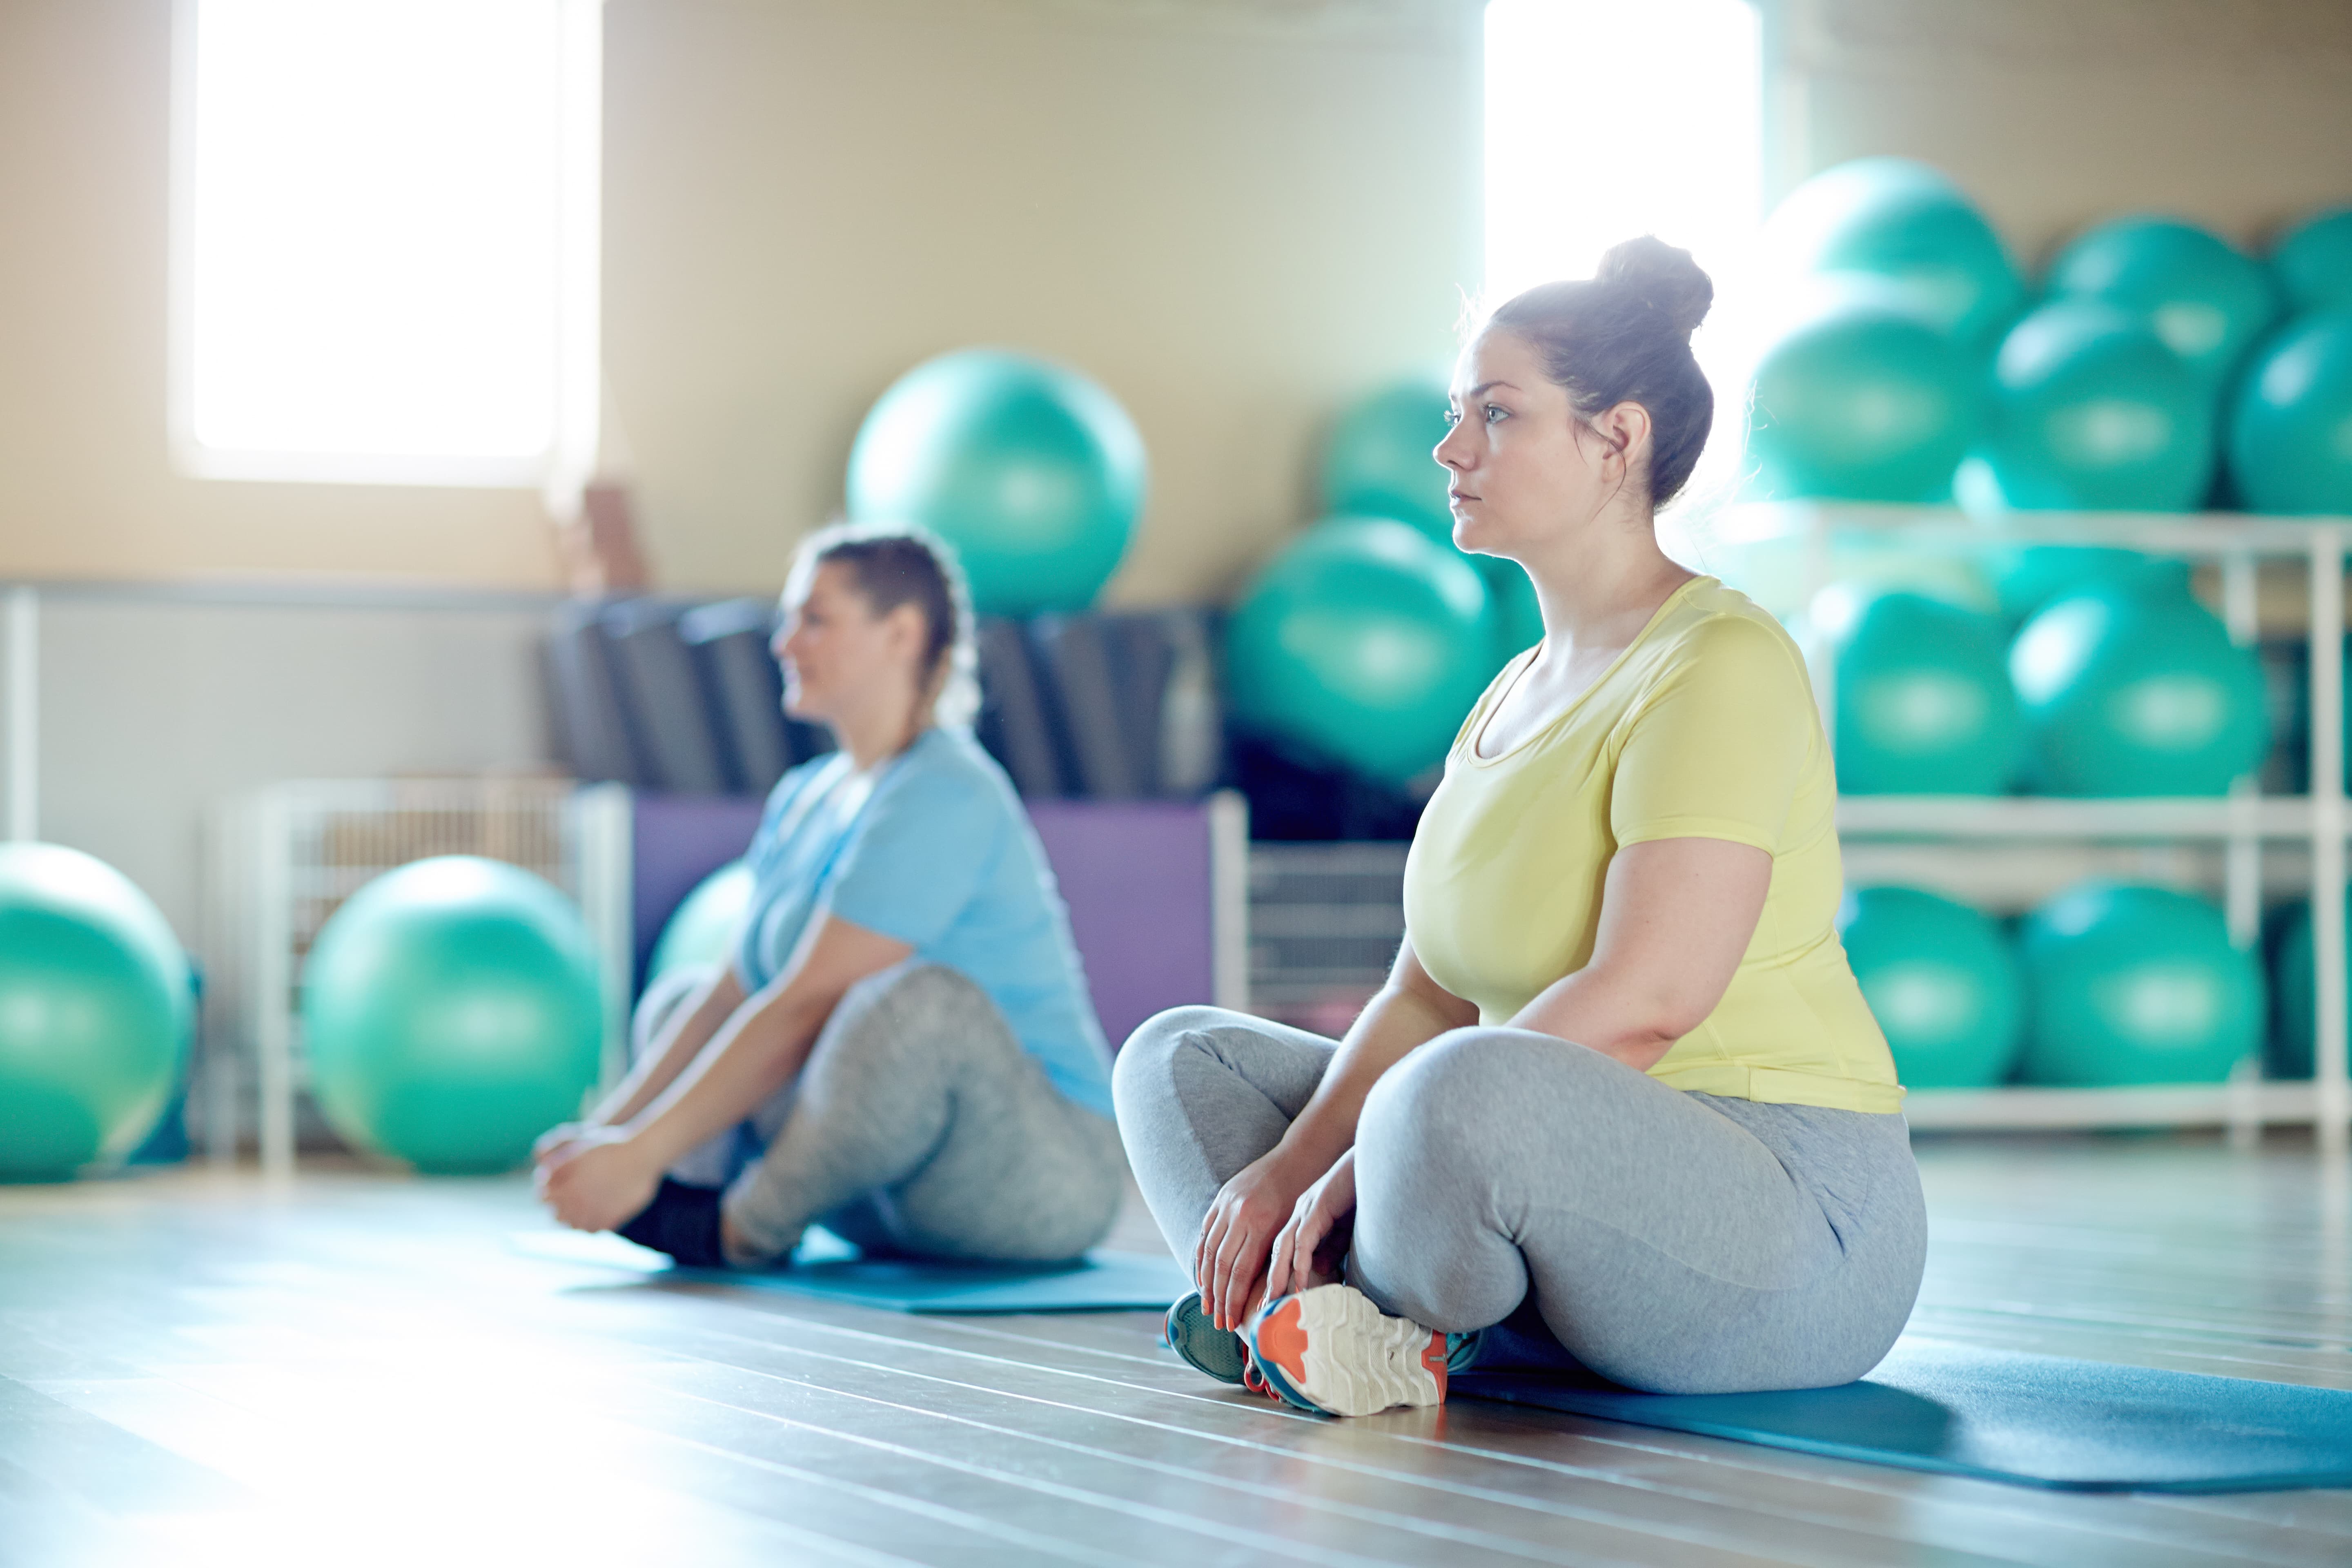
[2045, 1421]
[824, 1266]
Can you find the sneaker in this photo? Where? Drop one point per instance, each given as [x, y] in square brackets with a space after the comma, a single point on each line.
[1330, 1349]
[1204, 1346]
[1255, 1380]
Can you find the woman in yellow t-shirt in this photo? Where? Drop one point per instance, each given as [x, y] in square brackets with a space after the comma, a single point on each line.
[1621, 1103]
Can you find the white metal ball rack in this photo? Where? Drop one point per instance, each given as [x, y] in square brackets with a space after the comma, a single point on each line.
[2240, 824]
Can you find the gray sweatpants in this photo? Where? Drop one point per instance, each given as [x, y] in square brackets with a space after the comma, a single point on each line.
[1675, 1242]
[918, 1127]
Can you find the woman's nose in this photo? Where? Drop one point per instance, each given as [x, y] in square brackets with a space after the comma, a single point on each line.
[1454, 451]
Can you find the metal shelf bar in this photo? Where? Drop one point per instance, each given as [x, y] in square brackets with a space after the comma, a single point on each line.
[2328, 825]
[1947, 529]
[2155, 1105]
[2112, 819]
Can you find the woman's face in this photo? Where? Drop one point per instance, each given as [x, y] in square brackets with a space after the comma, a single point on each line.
[839, 658]
[1527, 467]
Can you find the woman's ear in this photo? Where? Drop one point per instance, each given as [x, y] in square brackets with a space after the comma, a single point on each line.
[906, 629]
[1627, 428]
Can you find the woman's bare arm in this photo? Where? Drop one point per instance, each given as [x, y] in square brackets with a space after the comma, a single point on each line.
[688, 1028]
[1408, 1012]
[1677, 917]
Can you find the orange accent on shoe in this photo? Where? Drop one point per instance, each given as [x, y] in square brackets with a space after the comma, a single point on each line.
[1282, 1338]
[1432, 1356]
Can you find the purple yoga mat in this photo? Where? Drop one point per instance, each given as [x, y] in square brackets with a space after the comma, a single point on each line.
[1134, 873]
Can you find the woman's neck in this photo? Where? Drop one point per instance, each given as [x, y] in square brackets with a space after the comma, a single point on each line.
[873, 738]
[1604, 588]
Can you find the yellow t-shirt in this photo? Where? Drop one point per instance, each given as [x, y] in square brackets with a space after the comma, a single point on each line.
[1704, 728]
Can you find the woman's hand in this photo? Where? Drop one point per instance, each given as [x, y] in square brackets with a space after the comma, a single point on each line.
[550, 1143]
[1308, 1250]
[1237, 1238]
[597, 1180]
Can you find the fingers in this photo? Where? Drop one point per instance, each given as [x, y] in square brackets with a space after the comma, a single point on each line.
[1240, 1262]
[1277, 1264]
[554, 1138]
[1306, 1234]
[1204, 1253]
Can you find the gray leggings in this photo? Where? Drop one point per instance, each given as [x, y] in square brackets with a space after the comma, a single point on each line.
[1675, 1242]
[918, 1127]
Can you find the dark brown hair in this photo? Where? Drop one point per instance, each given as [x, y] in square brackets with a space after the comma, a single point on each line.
[1623, 336]
[894, 565]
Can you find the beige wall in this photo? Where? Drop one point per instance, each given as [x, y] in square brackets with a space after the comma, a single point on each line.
[2058, 112]
[1235, 213]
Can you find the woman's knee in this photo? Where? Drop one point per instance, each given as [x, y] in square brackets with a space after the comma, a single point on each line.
[1464, 1079]
[907, 1008]
[1144, 1071]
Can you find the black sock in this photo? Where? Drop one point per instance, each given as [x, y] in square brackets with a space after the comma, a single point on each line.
[682, 1221]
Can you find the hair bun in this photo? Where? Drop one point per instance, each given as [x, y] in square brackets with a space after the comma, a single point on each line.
[1663, 276]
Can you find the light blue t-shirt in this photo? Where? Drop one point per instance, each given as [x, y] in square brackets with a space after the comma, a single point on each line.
[933, 849]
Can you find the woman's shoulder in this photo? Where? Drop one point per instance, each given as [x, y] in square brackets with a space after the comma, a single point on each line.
[1710, 620]
[948, 768]
[796, 780]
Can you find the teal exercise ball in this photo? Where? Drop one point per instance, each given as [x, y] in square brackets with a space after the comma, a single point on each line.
[1863, 402]
[452, 1012]
[1363, 643]
[1033, 472]
[703, 928]
[2292, 1050]
[2313, 262]
[2030, 576]
[2090, 412]
[95, 1005]
[2128, 984]
[1942, 981]
[2203, 297]
[1924, 704]
[1906, 222]
[1380, 459]
[2137, 690]
[2290, 433]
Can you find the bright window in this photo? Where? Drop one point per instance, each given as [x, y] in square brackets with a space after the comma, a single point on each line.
[386, 240]
[1606, 119]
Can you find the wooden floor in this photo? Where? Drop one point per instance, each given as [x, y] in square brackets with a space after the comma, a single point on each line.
[194, 1369]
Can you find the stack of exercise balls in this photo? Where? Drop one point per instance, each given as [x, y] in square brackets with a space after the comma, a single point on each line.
[2106, 985]
[451, 1013]
[1908, 360]
[95, 1009]
[1366, 639]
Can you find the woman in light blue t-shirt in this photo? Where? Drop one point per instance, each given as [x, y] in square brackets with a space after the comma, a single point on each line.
[903, 1047]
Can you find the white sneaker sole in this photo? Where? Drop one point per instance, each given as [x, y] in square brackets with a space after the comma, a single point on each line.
[1336, 1352]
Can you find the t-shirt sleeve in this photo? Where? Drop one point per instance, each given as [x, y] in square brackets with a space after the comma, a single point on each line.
[923, 846]
[1717, 748]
